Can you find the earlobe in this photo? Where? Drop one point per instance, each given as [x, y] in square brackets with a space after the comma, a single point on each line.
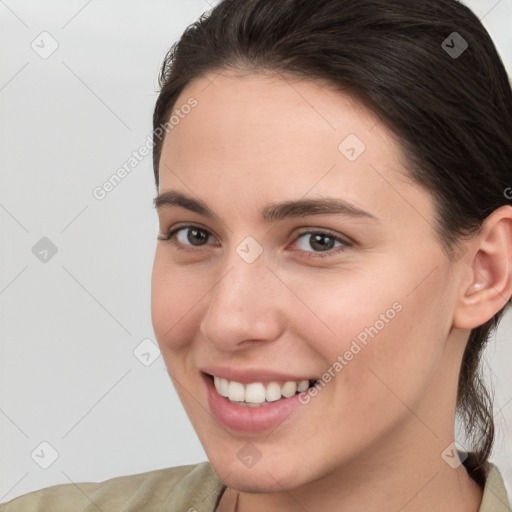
[490, 273]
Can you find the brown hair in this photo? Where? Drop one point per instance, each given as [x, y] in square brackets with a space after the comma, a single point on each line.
[450, 108]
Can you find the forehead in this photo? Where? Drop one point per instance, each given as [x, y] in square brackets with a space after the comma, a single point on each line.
[271, 112]
[274, 138]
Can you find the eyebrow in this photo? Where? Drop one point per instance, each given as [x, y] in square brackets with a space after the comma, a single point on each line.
[272, 212]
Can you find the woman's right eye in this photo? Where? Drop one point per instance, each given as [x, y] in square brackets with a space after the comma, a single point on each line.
[186, 236]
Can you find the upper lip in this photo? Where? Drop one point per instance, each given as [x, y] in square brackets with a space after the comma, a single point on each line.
[248, 375]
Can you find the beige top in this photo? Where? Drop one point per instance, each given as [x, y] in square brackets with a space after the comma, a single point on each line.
[192, 488]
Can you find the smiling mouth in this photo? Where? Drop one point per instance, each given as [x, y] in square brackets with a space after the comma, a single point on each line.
[258, 394]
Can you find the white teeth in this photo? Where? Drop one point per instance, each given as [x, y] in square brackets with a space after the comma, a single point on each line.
[224, 387]
[273, 392]
[236, 391]
[289, 388]
[221, 385]
[302, 385]
[256, 393]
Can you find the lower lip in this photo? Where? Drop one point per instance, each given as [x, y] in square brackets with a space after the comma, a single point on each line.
[249, 419]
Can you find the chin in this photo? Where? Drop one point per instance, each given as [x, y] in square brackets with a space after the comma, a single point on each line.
[264, 477]
[261, 481]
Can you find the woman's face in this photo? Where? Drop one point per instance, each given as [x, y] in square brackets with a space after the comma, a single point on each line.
[355, 293]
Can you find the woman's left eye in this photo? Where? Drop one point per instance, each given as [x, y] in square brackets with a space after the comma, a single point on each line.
[320, 241]
[194, 231]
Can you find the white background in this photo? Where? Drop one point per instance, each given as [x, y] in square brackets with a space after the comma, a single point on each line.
[68, 375]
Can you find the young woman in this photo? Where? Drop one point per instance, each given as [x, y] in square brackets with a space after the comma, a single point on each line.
[335, 249]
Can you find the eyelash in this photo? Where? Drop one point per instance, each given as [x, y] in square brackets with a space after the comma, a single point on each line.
[170, 237]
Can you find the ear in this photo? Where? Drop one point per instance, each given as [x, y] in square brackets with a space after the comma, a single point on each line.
[487, 285]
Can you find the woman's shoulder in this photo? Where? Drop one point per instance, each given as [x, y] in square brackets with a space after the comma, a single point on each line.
[495, 498]
[191, 487]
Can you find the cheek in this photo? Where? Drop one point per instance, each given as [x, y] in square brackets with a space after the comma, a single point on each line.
[176, 297]
[375, 321]
[401, 336]
[344, 306]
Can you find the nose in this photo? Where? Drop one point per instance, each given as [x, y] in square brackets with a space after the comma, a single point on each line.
[245, 306]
